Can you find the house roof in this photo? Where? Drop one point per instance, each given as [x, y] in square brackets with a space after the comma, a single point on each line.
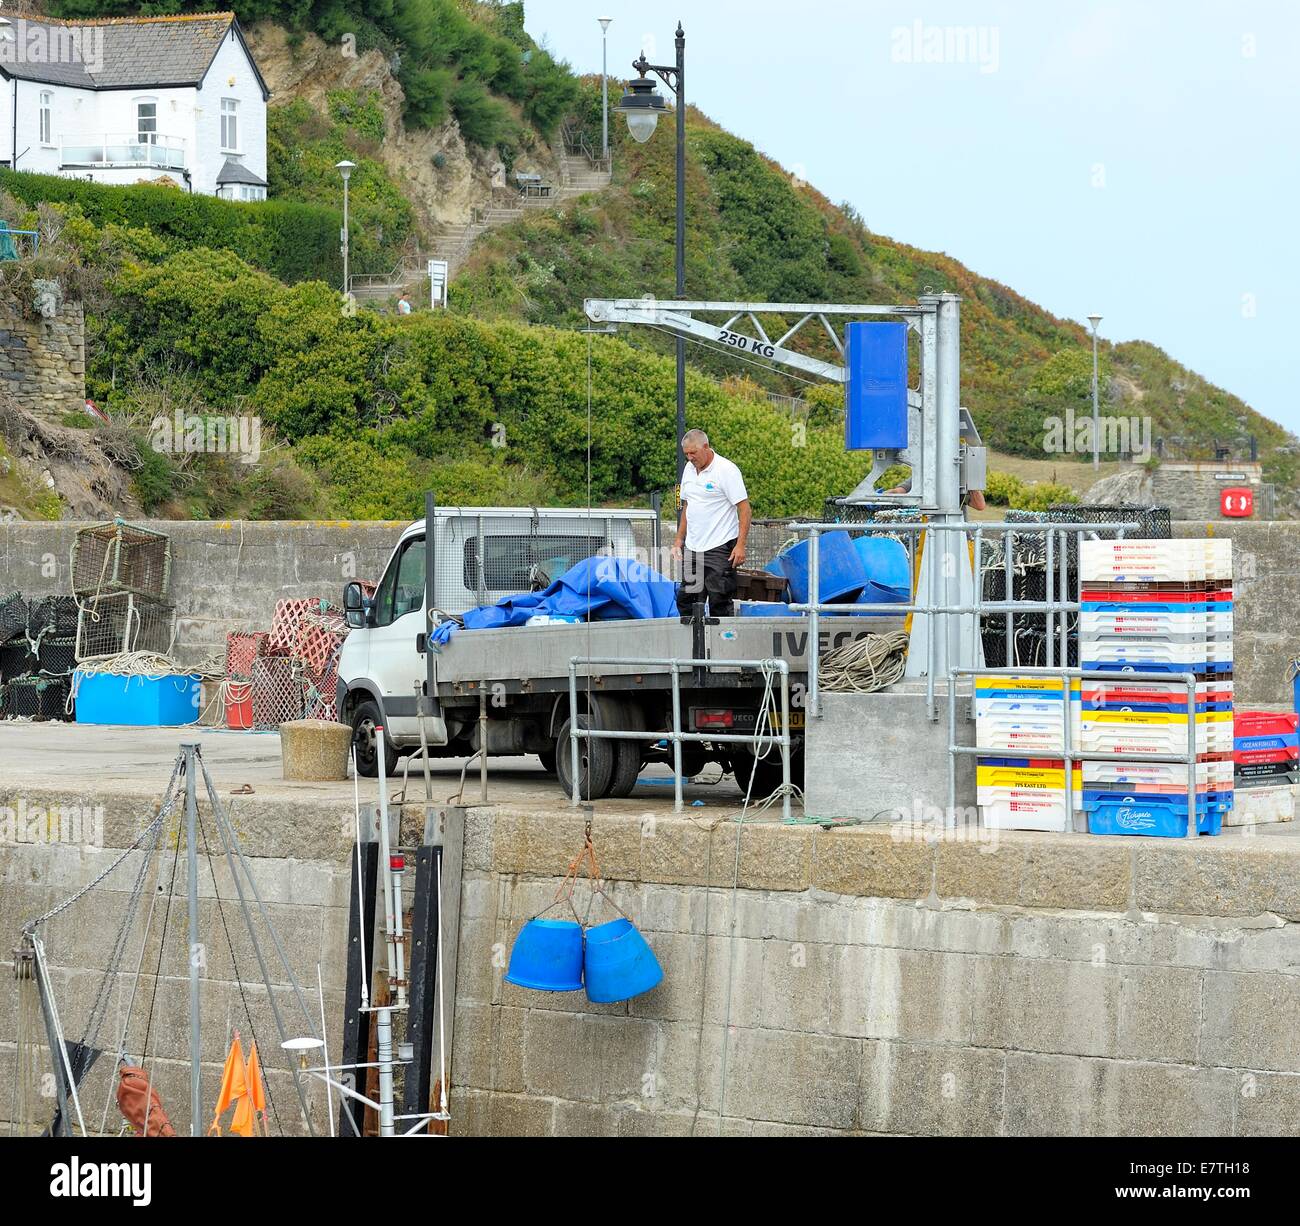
[236, 172]
[136, 52]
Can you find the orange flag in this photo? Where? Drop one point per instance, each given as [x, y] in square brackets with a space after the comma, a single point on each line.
[256, 1086]
[234, 1086]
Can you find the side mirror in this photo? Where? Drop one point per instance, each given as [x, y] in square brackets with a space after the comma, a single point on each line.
[355, 606]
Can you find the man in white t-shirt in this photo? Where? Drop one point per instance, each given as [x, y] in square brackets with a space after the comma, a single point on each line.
[713, 527]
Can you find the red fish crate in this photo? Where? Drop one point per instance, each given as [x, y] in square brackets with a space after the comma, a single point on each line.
[242, 648]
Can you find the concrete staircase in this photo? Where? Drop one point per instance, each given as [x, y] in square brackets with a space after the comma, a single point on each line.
[578, 176]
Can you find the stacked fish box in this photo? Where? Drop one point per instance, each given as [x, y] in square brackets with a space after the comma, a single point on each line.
[1156, 607]
[1024, 787]
[1266, 766]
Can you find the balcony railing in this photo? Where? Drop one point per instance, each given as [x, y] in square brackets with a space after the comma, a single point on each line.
[140, 149]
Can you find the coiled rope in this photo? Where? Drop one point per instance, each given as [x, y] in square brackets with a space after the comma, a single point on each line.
[865, 665]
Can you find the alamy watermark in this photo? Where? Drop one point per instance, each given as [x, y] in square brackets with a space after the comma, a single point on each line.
[1074, 434]
[40, 43]
[924, 43]
[187, 433]
[75, 825]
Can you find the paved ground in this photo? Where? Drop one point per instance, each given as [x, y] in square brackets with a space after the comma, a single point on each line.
[139, 760]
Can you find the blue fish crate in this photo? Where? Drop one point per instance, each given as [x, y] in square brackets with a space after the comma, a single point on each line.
[138, 702]
[1202, 670]
[1149, 817]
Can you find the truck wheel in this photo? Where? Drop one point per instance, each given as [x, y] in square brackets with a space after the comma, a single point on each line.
[766, 772]
[595, 763]
[626, 716]
[365, 719]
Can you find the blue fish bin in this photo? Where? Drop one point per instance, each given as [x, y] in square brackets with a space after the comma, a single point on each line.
[619, 963]
[885, 565]
[841, 575]
[547, 956]
[139, 702]
[765, 608]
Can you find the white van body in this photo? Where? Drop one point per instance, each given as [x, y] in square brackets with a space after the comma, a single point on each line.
[517, 546]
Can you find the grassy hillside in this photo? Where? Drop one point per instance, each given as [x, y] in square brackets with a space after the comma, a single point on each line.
[754, 232]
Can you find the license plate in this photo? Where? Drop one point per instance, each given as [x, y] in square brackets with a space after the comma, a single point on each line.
[796, 719]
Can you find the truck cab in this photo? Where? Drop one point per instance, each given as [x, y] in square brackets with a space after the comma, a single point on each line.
[481, 554]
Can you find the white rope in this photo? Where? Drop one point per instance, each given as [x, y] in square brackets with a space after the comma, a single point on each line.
[865, 665]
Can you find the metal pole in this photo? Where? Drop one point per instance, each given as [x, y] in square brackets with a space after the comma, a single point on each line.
[347, 281]
[1096, 415]
[814, 599]
[1192, 824]
[482, 741]
[677, 738]
[1050, 629]
[604, 88]
[681, 256]
[785, 744]
[573, 728]
[192, 871]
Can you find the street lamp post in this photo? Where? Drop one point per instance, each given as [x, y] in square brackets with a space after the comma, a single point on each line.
[643, 105]
[1096, 414]
[604, 87]
[345, 168]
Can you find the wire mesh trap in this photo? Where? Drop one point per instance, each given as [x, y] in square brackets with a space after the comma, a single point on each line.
[121, 557]
[123, 621]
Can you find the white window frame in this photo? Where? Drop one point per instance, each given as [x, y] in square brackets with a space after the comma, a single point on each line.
[46, 118]
[145, 136]
[229, 113]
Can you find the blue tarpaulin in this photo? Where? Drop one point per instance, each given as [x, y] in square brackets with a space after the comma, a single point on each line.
[599, 589]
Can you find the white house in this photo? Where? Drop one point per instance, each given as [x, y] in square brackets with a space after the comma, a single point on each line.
[125, 99]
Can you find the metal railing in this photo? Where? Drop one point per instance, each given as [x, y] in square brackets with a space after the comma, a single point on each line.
[130, 149]
[10, 250]
[757, 738]
[977, 607]
[1069, 755]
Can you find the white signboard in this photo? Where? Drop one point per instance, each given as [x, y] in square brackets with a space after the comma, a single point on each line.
[437, 283]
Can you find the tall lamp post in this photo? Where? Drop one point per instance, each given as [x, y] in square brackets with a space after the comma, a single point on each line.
[1096, 414]
[643, 105]
[345, 168]
[7, 35]
[604, 87]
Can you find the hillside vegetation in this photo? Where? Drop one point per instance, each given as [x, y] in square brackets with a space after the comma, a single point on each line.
[213, 308]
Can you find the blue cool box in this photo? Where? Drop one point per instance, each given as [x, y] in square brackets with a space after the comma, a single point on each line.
[106, 698]
[1150, 818]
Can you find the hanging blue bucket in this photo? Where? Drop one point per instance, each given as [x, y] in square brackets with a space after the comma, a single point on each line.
[547, 956]
[885, 565]
[619, 963]
[841, 575]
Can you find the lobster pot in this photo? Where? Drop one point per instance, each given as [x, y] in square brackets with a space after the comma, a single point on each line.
[57, 655]
[121, 557]
[288, 617]
[123, 621]
[13, 616]
[17, 659]
[318, 647]
[52, 615]
[36, 698]
[242, 648]
[278, 691]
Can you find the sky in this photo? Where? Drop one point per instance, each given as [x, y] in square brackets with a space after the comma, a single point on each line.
[1136, 160]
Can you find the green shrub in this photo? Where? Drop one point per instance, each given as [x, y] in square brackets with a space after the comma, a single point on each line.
[1042, 495]
[292, 241]
[1001, 489]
